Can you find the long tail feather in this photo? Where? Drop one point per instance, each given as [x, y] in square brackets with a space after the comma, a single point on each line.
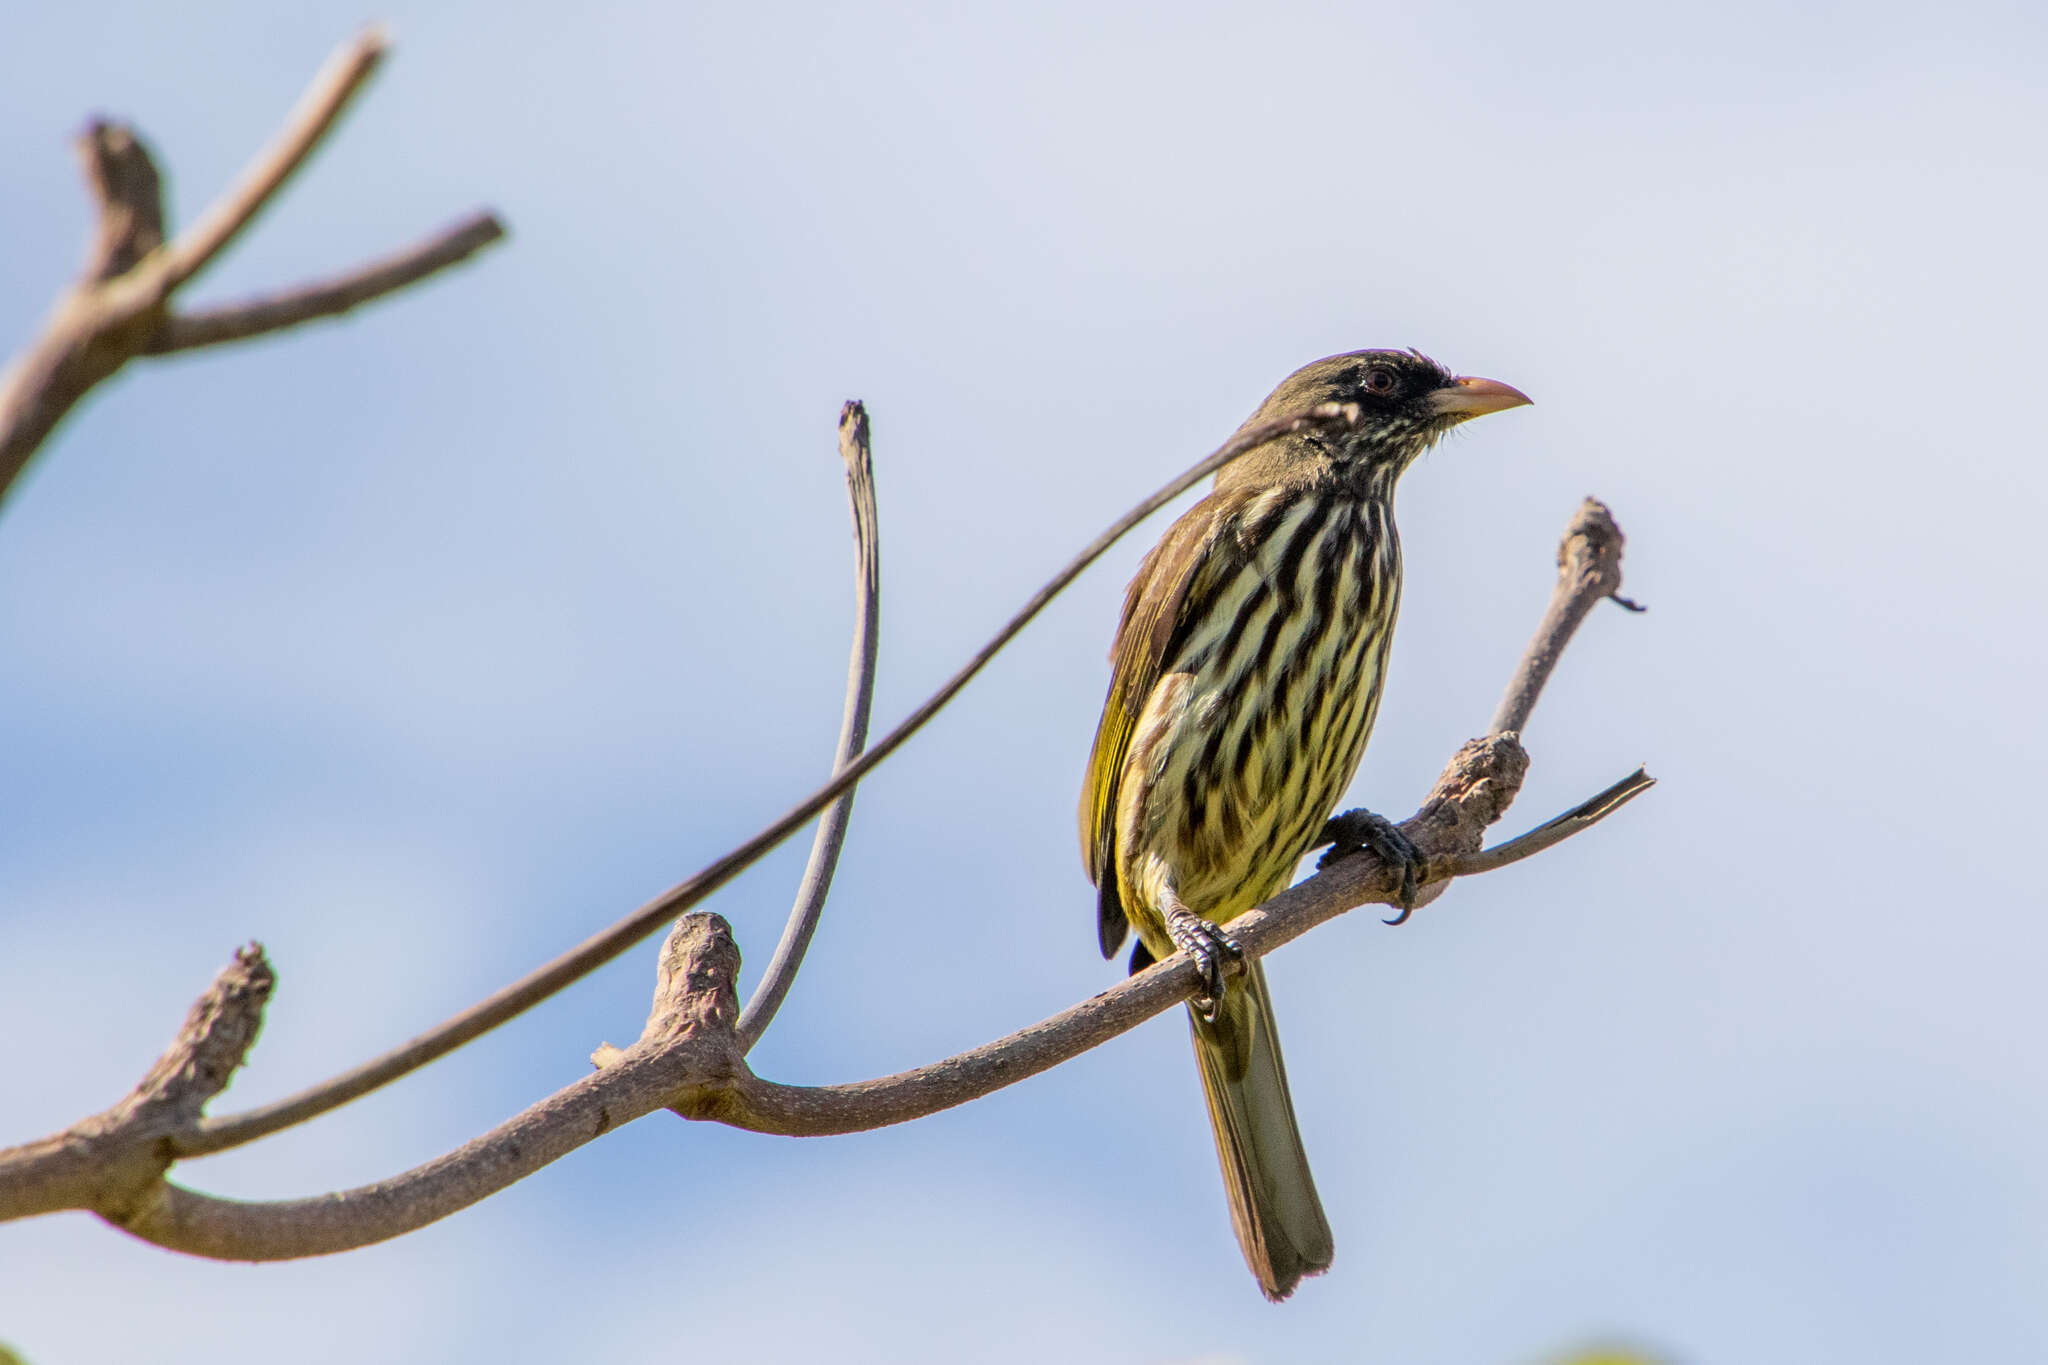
[1273, 1204]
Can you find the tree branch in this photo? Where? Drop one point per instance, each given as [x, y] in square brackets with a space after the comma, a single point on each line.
[1588, 569]
[326, 298]
[688, 1045]
[1471, 793]
[128, 196]
[1481, 774]
[333, 88]
[855, 452]
[105, 316]
[112, 1160]
[119, 307]
[1556, 830]
[689, 1057]
[219, 1134]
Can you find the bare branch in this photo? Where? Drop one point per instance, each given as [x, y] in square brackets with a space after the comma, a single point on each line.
[111, 1161]
[855, 452]
[1550, 833]
[689, 1058]
[332, 89]
[99, 321]
[120, 306]
[1472, 792]
[218, 1134]
[219, 1030]
[326, 298]
[1588, 569]
[695, 990]
[128, 195]
[688, 1046]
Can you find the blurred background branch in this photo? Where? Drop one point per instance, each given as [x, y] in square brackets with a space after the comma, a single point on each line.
[120, 307]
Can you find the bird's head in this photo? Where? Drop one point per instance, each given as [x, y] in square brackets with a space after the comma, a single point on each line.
[1408, 401]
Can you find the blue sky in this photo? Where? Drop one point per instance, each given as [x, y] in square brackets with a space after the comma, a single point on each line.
[421, 644]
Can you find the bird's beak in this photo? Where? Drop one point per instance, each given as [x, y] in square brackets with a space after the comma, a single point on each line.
[1466, 397]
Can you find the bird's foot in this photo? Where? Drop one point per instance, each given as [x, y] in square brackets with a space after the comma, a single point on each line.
[1210, 946]
[1356, 829]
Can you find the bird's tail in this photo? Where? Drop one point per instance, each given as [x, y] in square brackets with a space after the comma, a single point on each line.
[1273, 1202]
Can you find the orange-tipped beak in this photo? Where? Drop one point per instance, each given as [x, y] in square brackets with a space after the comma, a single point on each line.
[1467, 397]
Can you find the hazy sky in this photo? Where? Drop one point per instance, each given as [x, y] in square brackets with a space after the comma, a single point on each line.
[420, 645]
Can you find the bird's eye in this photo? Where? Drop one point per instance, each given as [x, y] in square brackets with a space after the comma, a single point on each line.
[1381, 381]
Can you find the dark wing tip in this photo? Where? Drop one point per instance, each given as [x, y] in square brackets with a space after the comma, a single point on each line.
[1110, 922]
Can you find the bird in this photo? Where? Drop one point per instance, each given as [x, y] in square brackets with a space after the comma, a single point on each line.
[1245, 676]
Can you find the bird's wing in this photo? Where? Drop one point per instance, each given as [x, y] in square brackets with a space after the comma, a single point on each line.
[1153, 608]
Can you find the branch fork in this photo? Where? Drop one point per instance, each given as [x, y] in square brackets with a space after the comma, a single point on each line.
[693, 1025]
[120, 306]
[113, 1162]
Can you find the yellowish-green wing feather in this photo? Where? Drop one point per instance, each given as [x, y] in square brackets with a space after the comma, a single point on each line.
[1152, 610]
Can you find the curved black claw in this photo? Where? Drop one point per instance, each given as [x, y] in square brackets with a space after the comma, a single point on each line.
[1356, 829]
[1210, 945]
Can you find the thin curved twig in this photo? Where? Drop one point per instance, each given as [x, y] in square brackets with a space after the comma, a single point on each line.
[1554, 831]
[219, 1134]
[858, 456]
[328, 298]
